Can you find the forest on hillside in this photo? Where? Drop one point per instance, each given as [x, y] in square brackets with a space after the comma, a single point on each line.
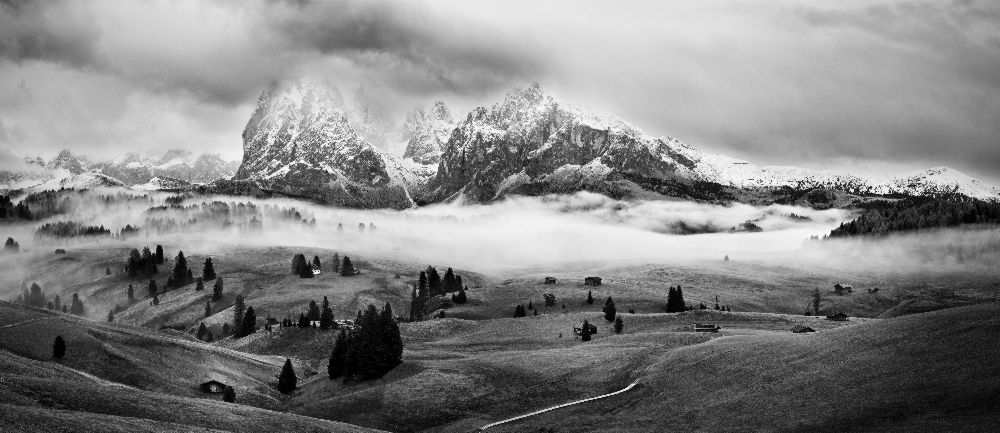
[881, 217]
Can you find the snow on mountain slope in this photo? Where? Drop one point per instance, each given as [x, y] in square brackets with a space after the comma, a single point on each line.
[137, 169]
[60, 179]
[531, 143]
[301, 141]
[427, 133]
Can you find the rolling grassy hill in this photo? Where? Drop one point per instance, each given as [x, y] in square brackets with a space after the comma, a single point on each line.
[140, 358]
[48, 396]
[925, 372]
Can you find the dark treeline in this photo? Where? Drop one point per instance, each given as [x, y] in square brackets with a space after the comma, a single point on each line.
[12, 210]
[69, 229]
[881, 217]
[44, 204]
[175, 217]
[35, 297]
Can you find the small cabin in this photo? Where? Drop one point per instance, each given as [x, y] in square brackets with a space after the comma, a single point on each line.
[800, 329]
[578, 330]
[346, 324]
[551, 280]
[60, 251]
[592, 281]
[837, 317]
[314, 323]
[213, 387]
[842, 289]
[706, 327]
[317, 271]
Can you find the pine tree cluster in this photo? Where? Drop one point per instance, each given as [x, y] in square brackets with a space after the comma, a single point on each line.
[370, 350]
[918, 212]
[675, 300]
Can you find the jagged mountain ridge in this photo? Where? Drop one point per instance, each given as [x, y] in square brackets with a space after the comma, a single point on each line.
[531, 143]
[427, 133]
[300, 140]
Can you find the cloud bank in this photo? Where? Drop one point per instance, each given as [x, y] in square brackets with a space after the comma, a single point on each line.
[887, 85]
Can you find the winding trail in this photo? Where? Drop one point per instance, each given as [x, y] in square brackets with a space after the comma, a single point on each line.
[572, 403]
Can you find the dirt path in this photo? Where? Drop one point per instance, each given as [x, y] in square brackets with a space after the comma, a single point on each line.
[26, 322]
[572, 403]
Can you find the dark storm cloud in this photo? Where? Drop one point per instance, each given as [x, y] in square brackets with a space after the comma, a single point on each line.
[409, 45]
[824, 84]
[53, 31]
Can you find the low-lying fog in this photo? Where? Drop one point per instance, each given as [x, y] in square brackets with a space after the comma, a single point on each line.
[545, 232]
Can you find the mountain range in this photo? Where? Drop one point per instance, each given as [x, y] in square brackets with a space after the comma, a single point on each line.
[305, 139]
[175, 167]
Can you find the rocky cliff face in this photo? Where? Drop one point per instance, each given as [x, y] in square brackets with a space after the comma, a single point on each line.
[427, 132]
[533, 144]
[300, 141]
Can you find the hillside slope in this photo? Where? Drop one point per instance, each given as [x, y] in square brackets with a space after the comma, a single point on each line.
[926, 372]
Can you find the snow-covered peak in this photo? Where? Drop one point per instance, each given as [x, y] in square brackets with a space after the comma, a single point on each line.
[427, 133]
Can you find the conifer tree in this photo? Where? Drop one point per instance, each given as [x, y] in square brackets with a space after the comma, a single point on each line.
[208, 309]
[208, 270]
[57, 304]
[59, 347]
[287, 380]
[36, 297]
[133, 265]
[159, 254]
[156, 300]
[590, 297]
[338, 357]
[111, 316]
[147, 262]
[199, 285]
[303, 321]
[217, 290]
[77, 306]
[130, 293]
[347, 268]
[530, 306]
[249, 325]
[239, 308]
[181, 272]
[585, 332]
[422, 284]
[107, 270]
[610, 311]
[229, 395]
[461, 297]
[316, 263]
[392, 338]
[449, 283]
[313, 312]
[326, 315]
[202, 330]
[298, 263]
[433, 281]
[336, 262]
[619, 325]
[681, 304]
[458, 282]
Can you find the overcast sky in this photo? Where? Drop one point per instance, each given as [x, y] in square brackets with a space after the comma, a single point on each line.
[864, 86]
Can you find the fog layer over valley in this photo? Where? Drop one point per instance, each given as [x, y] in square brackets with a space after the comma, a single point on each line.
[504, 238]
